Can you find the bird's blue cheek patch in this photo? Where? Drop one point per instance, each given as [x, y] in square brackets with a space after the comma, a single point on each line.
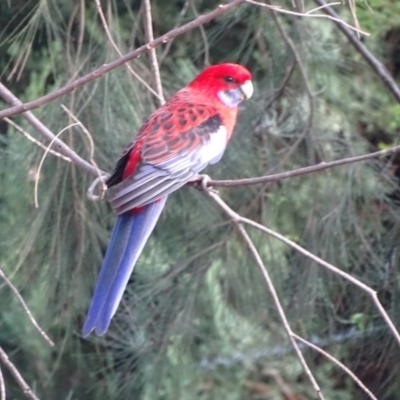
[231, 98]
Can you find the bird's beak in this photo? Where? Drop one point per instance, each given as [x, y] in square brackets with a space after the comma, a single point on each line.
[247, 89]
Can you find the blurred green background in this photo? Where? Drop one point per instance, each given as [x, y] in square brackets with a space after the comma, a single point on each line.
[197, 320]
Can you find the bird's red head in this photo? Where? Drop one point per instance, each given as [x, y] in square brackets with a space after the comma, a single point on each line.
[230, 83]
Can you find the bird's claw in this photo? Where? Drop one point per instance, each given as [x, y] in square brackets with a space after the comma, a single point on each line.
[200, 182]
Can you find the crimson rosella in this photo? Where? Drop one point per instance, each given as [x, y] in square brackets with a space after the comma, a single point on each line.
[176, 142]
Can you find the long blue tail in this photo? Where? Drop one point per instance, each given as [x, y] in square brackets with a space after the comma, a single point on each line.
[129, 235]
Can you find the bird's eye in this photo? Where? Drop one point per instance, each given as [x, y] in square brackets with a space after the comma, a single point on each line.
[228, 79]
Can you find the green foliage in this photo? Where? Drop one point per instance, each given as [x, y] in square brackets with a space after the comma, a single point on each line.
[197, 321]
[378, 16]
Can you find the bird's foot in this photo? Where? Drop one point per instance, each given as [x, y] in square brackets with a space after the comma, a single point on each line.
[200, 182]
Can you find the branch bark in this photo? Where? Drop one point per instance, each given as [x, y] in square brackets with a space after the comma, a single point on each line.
[302, 171]
[97, 73]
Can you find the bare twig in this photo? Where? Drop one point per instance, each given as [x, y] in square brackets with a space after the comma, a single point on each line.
[42, 161]
[148, 28]
[352, 6]
[57, 144]
[33, 140]
[375, 64]
[89, 136]
[302, 171]
[338, 363]
[238, 219]
[299, 4]
[320, 261]
[100, 174]
[116, 48]
[18, 377]
[2, 386]
[25, 307]
[97, 73]
[310, 14]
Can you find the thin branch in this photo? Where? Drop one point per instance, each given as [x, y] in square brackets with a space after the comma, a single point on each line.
[89, 136]
[338, 363]
[2, 386]
[302, 171]
[97, 73]
[376, 65]
[18, 377]
[148, 28]
[267, 178]
[100, 174]
[352, 6]
[299, 4]
[238, 219]
[332, 268]
[116, 48]
[57, 144]
[25, 307]
[41, 164]
[310, 14]
[62, 148]
[33, 140]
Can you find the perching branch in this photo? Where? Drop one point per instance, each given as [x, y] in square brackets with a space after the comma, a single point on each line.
[302, 171]
[62, 148]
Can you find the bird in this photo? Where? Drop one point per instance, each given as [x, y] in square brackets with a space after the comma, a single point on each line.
[177, 141]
